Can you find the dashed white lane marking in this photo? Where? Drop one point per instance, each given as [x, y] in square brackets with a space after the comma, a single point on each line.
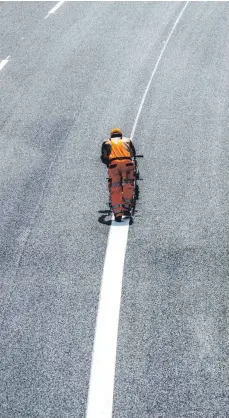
[101, 385]
[53, 10]
[4, 62]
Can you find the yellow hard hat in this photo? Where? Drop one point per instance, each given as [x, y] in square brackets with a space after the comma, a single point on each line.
[115, 132]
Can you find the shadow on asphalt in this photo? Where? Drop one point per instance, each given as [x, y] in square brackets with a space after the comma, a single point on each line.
[102, 218]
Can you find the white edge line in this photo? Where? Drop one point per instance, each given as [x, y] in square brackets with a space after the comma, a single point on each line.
[101, 385]
[4, 62]
[53, 10]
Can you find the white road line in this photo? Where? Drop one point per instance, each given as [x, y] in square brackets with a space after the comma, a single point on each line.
[100, 398]
[155, 69]
[53, 10]
[4, 62]
[101, 385]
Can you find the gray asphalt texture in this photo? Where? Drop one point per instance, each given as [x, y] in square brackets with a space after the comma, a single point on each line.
[70, 79]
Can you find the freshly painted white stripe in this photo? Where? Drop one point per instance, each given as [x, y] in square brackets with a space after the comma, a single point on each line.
[53, 10]
[4, 62]
[155, 69]
[100, 398]
[101, 385]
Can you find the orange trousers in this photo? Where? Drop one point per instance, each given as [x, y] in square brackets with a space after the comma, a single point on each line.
[121, 175]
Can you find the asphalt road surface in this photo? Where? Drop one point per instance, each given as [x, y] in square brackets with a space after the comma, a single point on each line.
[69, 79]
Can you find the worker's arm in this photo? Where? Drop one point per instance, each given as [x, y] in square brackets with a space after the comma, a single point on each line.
[105, 152]
[132, 149]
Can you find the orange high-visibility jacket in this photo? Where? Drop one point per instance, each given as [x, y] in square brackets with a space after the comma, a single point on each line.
[117, 148]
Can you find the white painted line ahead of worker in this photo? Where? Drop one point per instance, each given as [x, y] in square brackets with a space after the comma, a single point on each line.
[53, 10]
[155, 69]
[101, 385]
[4, 62]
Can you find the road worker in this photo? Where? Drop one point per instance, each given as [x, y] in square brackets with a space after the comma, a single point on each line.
[117, 153]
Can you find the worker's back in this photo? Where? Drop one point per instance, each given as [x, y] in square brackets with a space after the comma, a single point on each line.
[120, 148]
